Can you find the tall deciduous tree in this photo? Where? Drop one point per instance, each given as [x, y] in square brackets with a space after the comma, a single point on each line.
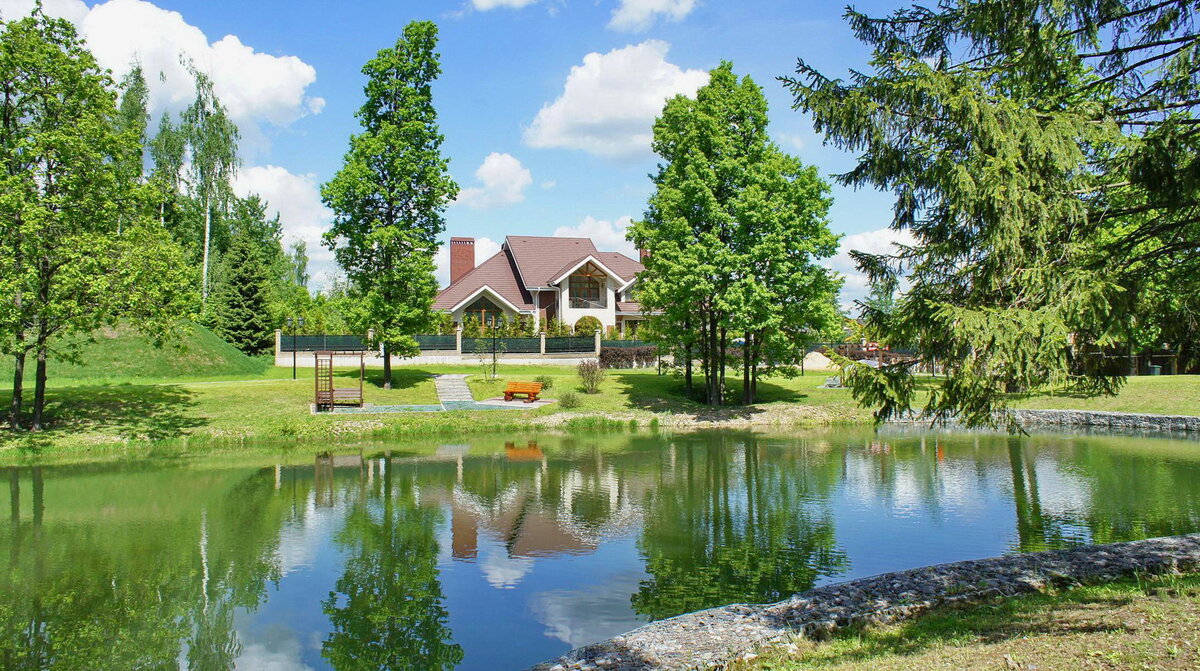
[211, 142]
[68, 266]
[390, 195]
[1045, 156]
[733, 231]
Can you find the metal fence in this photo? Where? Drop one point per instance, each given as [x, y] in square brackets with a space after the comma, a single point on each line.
[327, 343]
[502, 345]
[560, 345]
[436, 342]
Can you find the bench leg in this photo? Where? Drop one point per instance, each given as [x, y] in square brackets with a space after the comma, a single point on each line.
[530, 398]
[507, 397]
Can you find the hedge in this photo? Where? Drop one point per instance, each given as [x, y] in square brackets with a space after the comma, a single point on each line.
[628, 357]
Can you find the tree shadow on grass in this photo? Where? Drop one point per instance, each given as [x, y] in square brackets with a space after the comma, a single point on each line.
[132, 412]
[402, 378]
[665, 393]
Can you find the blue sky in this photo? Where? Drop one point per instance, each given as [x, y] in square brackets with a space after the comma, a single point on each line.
[560, 94]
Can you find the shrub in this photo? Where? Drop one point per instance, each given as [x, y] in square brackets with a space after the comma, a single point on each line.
[568, 400]
[546, 381]
[587, 325]
[628, 357]
[590, 374]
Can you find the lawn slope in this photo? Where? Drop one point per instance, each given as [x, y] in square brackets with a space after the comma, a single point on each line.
[121, 354]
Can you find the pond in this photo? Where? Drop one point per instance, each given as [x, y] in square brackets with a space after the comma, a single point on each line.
[498, 553]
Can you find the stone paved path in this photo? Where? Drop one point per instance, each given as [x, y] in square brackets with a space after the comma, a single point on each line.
[453, 389]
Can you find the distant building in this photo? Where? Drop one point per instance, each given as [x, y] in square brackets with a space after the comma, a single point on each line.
[543, 277]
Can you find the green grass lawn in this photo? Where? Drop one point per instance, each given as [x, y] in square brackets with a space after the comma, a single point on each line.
[1163, 395]
[1151, 623]
[128, 392]
[96, 414]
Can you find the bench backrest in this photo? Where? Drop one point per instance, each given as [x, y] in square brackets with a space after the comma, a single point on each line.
[534, 387]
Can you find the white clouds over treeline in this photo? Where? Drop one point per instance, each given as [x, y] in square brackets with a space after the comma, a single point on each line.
[257, 88]
[609, 103]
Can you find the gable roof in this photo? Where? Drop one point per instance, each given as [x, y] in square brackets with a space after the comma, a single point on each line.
[539, 259]
[498, 274]
[529, 261]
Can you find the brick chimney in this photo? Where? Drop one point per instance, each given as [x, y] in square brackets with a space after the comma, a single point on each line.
[462, 257]
[643, 255]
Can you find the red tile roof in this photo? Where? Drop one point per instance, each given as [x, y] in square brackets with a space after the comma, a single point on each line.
[533, 261]
[498, 273]
[629, 307]
[541, 259]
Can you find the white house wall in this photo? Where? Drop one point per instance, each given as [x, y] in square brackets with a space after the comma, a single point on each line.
[607, 315]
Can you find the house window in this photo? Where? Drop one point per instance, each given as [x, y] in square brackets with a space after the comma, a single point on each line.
[586, 288]
[485, 311]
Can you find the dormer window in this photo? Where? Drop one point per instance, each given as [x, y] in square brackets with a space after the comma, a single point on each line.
[586, 288]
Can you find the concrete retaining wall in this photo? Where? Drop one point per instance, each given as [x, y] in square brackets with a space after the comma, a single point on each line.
[708, 638]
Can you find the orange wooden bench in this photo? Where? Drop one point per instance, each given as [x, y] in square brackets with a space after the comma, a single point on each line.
[529, 389]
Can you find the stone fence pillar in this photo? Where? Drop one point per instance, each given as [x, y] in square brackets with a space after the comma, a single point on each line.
[278, 341]
[458, 340]
[597, 342]
[542, 350]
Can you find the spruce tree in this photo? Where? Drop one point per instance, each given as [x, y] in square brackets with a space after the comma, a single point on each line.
[1045, 157]
[240, 311]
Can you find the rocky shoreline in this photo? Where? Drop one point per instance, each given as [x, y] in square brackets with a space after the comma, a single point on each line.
[711, 637]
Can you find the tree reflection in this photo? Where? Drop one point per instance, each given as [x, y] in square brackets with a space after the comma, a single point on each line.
[714, 535]
[387, 612]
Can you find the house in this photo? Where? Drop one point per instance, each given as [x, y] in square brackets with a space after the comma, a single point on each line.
[546, 278]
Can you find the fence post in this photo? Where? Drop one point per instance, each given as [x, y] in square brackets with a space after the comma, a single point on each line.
[278, 341]
[542, 347]
[597, 342]
[458, 340]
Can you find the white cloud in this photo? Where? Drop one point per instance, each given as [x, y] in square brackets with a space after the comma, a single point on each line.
[793, 140]
[484, 5]
[549, 184]
[297, 199]
[257, 88]
[485, 248]
[882, 241]
[504, 182]
[609, 103]
[636, 16]
[608, 236]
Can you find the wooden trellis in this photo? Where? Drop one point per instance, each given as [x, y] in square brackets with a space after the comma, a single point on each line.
[326, 395]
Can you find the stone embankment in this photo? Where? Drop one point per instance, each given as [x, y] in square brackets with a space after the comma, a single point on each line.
[1122, 421]
[708, 638]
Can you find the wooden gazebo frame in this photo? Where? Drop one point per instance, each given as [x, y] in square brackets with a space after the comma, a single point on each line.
[326, 396]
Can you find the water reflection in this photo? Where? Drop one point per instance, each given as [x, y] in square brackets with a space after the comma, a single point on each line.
[498, 554]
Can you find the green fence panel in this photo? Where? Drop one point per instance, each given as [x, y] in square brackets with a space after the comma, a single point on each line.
[502, 345]
[315, 343]
[436, 342]
[562, 345]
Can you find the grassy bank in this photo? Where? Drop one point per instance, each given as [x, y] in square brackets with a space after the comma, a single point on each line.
[90, 416]
[1151, 623]
[227, 398]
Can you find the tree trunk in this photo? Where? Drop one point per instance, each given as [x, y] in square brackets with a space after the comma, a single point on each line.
[387, 366]
[747, 396]
[207, 235]
[714, 358]
[18, 391]
[39, 388]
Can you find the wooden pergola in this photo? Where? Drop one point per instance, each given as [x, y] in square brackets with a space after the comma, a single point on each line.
[327, 396]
